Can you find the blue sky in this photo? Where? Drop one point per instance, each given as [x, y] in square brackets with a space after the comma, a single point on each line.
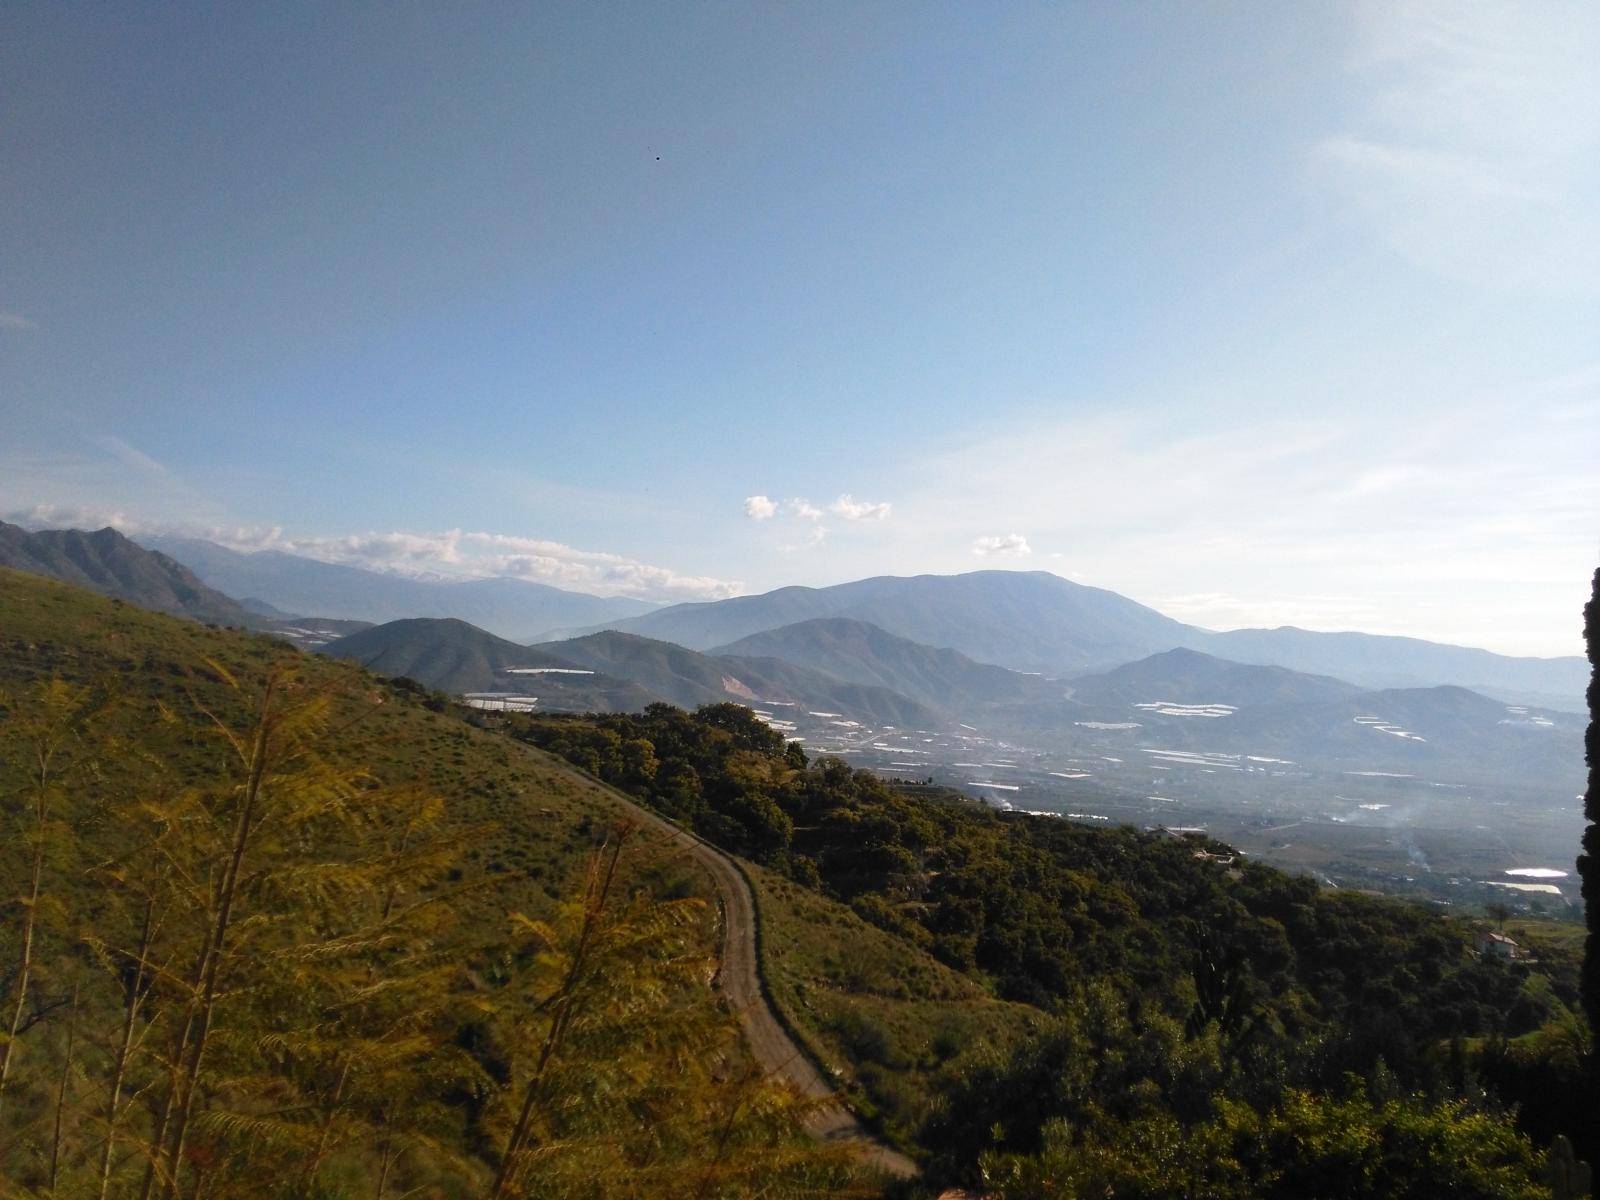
[1258, 313]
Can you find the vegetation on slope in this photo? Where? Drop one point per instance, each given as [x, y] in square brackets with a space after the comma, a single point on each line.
[1170, 978]
[276, 930]
[894, 1027]
[1047, 1010]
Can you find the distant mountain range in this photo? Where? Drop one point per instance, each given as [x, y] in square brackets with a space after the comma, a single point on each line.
[926, 638]
[111, 564]
[848, 673]
[1181, 708]
[107, 562]
[1187, 708]
[628, 673]
[1380, 661]
[1027, 621]
[512, 608]
[1035, 621]
[1196, 703]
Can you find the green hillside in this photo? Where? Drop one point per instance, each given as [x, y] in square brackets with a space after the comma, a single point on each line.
[455, 657]
[416, 948]
[148, 663]
[891, 1023]
[1110, 987]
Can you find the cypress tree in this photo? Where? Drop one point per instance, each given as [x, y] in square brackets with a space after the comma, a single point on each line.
[1589, 859]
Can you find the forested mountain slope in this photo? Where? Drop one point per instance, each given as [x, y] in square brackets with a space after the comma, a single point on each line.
[374, 991]
[1179, 988]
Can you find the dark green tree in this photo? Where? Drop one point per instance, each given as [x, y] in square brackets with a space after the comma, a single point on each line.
[1589, 859]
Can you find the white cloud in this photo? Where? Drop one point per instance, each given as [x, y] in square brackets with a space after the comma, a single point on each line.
[454, 553]
[1477, 151]
[799, 509]
[1002, 545]
[69, 516]
[11, 320]
[850, 509]
[470, 553]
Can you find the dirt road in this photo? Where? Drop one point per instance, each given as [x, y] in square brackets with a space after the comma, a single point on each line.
[740, 980]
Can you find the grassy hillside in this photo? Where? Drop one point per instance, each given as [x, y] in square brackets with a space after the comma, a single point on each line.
[893, 1025]
[419, 943]
[542, 810]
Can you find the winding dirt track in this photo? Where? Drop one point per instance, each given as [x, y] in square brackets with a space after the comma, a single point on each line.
[739, 978]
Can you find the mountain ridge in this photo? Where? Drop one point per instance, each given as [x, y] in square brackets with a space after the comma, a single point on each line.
[609, 671]
[861, 652]
[107, 562]
[1187, 676]
[518, 609]
[454, 656]
[1028, 622]
[994, 617]
[690, 678]
[1035, 621]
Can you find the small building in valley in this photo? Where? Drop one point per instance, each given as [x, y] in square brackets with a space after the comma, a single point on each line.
[1498, 945]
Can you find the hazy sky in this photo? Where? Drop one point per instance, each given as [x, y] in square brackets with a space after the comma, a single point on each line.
[1260, 313]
